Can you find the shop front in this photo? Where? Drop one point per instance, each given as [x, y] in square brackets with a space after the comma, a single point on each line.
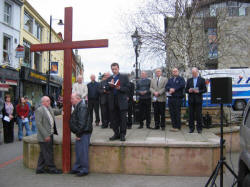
[9, 78]
[32, 85]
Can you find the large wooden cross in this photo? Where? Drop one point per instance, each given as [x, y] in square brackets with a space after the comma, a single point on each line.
[67, 45]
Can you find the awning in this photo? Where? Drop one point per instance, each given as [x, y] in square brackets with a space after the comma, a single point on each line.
[4, 87]
[11, 82]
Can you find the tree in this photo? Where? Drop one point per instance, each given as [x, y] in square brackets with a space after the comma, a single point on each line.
[190, 35]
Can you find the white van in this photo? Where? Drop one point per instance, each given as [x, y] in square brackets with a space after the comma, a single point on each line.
[240, 84]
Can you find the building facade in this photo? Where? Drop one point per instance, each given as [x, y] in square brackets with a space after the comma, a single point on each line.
[35, 30]
[10, 11]
[218, 37]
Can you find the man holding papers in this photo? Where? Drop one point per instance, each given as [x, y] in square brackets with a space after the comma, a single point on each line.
[118, 86]
[195, 87]
[174, 90]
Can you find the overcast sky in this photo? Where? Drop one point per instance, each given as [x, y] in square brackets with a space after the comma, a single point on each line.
[96, 19]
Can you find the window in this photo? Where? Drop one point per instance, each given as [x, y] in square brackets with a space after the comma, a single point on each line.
[7, 13]
[212, 43]
[233, 8]
[28, 22]
[27, 55]
[38, 31]
[38, 61]
[6, 49]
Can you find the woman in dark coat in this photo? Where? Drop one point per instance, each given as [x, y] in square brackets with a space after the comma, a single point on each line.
[8, 120]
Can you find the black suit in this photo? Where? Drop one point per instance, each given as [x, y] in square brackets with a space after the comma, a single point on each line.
[195, 102]
[130, 103]
[93, 100]
[118, 104]
[104, 103]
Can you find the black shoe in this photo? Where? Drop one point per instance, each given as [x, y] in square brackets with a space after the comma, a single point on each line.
[155, 128]
[81, 174]
[191, 131]
[97, 123]
[163, 128]
[73, 172]
[140, 127]
[115, 137]
[199, 131]
[129, 127]
[55, 171]
[41, 171]
[123, 139]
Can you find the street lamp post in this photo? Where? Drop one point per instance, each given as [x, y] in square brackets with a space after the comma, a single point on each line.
[137, 46]
[136, 38]
[50, 29]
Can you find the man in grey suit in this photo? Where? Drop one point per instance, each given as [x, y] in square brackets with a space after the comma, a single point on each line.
[157, 88]
[46, 127]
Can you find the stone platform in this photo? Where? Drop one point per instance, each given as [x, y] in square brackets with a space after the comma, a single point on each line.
[146, 152]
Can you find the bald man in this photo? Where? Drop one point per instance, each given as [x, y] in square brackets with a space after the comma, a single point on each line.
[195, 87]
[81, 126]
[80, 88]
[157, 88]
[46, 127]
[174, 89]
[143, 91]
[93, 99]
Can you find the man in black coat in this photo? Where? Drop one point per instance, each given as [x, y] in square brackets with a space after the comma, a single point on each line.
[130, 104]
[93, 99]
[81, 126]
[118, 85]
[143, 91]
[195, 87]
[174, 89]
[104, 100]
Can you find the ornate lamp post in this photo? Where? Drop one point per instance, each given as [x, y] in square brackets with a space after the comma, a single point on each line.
[50, 29]
[136, 38]
[137, 46]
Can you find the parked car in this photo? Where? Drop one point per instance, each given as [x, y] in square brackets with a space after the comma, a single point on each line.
[244, 160]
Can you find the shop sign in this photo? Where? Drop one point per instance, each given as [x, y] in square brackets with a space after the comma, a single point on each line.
[37, 76]
[20, 51]
[4, 87]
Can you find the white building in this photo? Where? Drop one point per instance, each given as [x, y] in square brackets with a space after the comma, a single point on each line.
[10, 13]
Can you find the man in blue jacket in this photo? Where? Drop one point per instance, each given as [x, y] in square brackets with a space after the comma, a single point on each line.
[174, 89]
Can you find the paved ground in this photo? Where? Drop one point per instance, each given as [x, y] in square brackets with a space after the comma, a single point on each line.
[12, 173]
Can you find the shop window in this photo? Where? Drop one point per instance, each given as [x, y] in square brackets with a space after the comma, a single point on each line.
[6, 49]
[28, 22]
[7, 13]
[38, 31]
[27, 55]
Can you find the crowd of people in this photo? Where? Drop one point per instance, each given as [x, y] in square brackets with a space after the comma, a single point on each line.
[23, 114]
[115, 95]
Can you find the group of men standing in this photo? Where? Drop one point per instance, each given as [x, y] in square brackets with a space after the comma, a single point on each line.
[115, 96]
[116, 100]
[157, 89]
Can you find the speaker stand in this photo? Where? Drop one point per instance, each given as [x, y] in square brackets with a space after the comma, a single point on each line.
[222, 161]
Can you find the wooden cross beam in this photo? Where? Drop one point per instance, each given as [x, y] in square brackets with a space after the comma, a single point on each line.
[67, 45]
